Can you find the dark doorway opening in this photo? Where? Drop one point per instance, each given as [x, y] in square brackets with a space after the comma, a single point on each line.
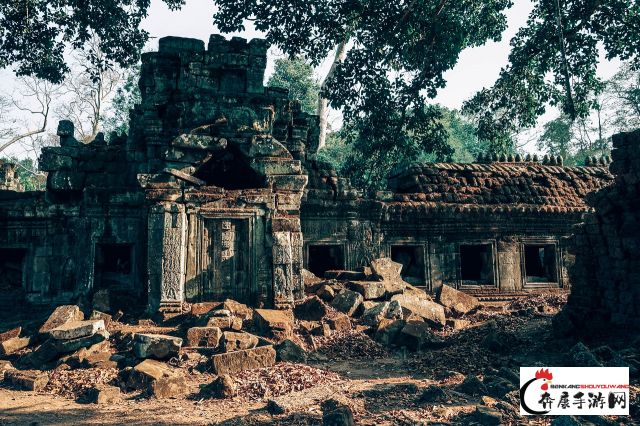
[11, 268]
[540, 263]
[114, 266]
[412, 260]
[323, 258]
[476, 264]
[229, 169]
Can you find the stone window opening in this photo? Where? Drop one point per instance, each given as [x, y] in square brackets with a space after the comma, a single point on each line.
[540, 263]
[11, 268]
[412, 259]
[113, 266]
[476, 264]
[323, 258]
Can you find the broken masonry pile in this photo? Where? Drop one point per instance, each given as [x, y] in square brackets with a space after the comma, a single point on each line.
[232, 336]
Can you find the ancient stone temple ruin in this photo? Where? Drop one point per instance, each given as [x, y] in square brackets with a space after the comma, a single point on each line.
[606, 281]
[216, 193]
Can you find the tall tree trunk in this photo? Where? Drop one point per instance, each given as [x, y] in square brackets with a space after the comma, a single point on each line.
[323, 104]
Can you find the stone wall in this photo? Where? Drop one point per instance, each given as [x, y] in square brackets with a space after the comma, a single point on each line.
[606, 280]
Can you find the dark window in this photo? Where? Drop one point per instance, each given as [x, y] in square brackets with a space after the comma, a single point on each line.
[476, 263]
[114, 265]
[540, 263]
[11, 267]
[412, 260]
[324, 258]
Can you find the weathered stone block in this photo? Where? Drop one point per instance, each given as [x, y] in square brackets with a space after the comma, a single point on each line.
[290, 351]
[339, 322]
[10, 334]
[202, 308]
[97, 315]
[232, 341]
[156, 346]
[204, 336]
[386, 269]
[157, 378]
[268, 320]
[13, 345]
[234, 362]
[60, 316]
[430, 311]
[76, 329]
[347, 302]
[30, 380]
[459, 302]
[368, 289]
[238, 309]
[312, 309]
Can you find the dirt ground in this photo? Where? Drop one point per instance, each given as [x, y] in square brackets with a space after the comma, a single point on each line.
[383, 387]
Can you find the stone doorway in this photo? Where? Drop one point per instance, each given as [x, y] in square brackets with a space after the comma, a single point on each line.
[226, 260]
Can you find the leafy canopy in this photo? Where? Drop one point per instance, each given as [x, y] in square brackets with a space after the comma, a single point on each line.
[398, 50]
[553, 62]
[297, 76]
[35, 33]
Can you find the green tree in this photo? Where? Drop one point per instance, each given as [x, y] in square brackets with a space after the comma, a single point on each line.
[126, 97]
[35, 33]
[553, 62]
[556, 137]
[27, 173]
[388, 55]
[297, 76]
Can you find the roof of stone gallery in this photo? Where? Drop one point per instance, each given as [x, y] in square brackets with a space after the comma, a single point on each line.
[524, 186]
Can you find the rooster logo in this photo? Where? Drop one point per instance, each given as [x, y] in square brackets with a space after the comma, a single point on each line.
[546, 376]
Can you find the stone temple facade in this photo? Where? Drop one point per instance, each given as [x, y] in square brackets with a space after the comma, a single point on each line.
[216, 193]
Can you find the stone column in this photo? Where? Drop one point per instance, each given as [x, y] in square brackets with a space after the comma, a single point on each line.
[167, 256]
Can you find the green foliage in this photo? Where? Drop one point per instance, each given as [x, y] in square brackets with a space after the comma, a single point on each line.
[368, 149]
[35, 33]
[27, 173]
[297, 76]
[553, 62]
[126, 97]
[556, 137]
[398, 50]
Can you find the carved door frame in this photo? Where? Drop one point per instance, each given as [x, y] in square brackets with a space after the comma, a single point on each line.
[202, 250]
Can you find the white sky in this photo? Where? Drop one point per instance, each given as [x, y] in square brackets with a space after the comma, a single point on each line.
[476, 68]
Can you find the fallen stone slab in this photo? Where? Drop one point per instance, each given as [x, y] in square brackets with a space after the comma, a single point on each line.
[458, 324]
[326, 293]
[375, 314]
[223, 387]
[275, 322]
[61, 315]
[232, 341]
[103, 394]
[53, 348]
[394, 287]
[234, 362]
[290, 351]
[158, 346]
[10, 334]
[208, 337]
[458, 302]
[76, 329]
[30, 380]
[301, 401]
[13, 345]
[157, 378]
[339, 322]
[238, 309]
[487, 416]
[225, 322]
[386, 269]
[312, 309]
[369, 290]
[347, 302]
[431, 312]
[202, 308]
